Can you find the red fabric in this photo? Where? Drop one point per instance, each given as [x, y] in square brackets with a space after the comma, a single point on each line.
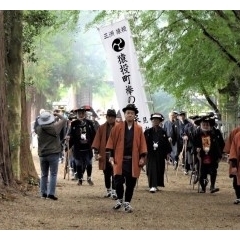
[235, 154]
[116, 142]
[207, 159]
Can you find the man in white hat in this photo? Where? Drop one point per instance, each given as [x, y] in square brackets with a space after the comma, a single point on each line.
[49, 149]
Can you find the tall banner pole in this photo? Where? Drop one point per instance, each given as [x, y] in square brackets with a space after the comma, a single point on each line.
[121, 54]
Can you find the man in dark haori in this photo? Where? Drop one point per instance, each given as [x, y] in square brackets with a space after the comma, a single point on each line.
[159, 149]
[81, 136]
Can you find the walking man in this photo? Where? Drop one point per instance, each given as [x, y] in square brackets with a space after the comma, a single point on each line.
[159, 149]
[98, 146]
[127, 148]
[231, 148]
[208, 147]
[81, 137]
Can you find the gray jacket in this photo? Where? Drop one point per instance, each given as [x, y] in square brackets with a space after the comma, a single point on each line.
[49, 137]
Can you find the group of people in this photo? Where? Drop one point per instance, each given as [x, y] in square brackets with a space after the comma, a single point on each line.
[123, 148]
[198, 143]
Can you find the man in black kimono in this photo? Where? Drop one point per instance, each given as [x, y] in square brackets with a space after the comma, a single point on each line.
[158, 148]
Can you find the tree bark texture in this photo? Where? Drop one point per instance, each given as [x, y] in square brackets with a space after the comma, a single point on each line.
[28, 170]
[6, 173]
[14, 61]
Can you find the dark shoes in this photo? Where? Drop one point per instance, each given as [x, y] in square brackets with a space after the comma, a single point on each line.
[203, 191]
[90, 182]
[52, 197]
[79, 182]
[213, 190]
[44, 196]
[237, 201]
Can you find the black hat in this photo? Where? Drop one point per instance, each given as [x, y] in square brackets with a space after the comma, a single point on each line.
[157, 115]
[111, 112]
[211, 120]
[72, 116]
[182, 113]
[131, 107]
[194, 117]
[82, 109]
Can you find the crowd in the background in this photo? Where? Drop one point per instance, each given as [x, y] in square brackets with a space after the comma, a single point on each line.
[192, 144]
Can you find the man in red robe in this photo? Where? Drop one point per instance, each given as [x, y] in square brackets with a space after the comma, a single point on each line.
[233, 143]
[99, 145]
[127, 148]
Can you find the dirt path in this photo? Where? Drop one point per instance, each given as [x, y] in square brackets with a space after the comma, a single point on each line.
[177, 206]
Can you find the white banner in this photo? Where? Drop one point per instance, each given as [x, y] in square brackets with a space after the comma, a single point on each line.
[121, 54]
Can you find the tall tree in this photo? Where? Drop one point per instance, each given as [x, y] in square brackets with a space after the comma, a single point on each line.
[14, 71]
[6, 172]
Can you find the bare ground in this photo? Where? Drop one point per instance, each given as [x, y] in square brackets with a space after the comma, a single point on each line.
[176, 207]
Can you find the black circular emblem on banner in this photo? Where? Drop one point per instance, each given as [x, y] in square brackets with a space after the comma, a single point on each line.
[118, 44]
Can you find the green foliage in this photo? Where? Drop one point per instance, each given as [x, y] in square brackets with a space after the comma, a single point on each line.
[184, 52]
[66, 55]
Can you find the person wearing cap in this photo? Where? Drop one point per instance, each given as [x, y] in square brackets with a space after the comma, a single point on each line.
[36, 120]
[159, 149]
[73, 169]
[209, 151]
[188, 135]
[167, 126]
[81, 136]
[177, 138]
[98, 146]
[49, 149]
[127, 148]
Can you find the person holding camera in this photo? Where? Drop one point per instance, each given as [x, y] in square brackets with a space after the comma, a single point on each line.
[159, 149]
[127, 148]
[49, 148]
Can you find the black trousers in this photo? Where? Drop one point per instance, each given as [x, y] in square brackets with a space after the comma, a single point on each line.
[210, 169]
[108, 176]
[127, 179]
[83, 162]
[236, 187]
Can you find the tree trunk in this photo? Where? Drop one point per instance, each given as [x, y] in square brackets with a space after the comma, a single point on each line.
[28, 170]
[6, 173]
[14, 60]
